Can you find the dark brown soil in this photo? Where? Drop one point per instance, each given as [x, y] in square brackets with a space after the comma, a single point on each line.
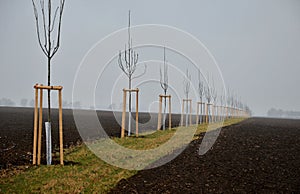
[256, 156]
[16, 131]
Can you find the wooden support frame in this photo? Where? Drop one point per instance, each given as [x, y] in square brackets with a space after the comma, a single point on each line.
[219, 113]
[232, 112]
[160, 111]
[208, 106]
[136, 111]
[222, 113]
[197, 112]
[216, 113]
[227, 112]
[206, 113]
[38, 122]
[189, 103]
[218, 116]
[213, 112]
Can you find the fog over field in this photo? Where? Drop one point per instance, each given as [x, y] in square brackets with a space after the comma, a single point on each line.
[255, 43]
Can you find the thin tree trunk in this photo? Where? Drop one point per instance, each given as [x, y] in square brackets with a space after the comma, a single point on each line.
[164, 119]
[209, 113]
[129, 107]
[48, 127]
[49, 59]
[201, 112]
[186, 115]
[186, 112]
[49, 98]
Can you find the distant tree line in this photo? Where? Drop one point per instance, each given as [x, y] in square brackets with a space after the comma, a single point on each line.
[23, 102]
[282, 113]
[7, 102]
[30, 103]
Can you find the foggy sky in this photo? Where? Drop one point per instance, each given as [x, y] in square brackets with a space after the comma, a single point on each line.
[255, 42]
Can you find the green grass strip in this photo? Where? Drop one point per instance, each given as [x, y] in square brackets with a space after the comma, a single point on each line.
[86, 173]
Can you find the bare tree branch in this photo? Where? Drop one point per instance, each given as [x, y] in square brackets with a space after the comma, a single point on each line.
[44, 23]
[37, 27]
[207, 91]
[48, 24]
[214, 94]
[164, 76]
[186, 83]
[51, 29]
[200, 86]
[62, 4]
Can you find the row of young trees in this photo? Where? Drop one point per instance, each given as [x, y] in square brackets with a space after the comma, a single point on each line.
[213, 104]
[48, 20]
[208, 95]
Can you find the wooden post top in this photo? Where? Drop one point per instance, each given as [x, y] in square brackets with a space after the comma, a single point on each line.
[40, 86]
[131, 90]
[165, 96]
[187, 99]
[200, 102]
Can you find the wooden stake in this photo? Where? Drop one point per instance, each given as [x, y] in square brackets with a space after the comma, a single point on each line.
[123, 114]
[212, 112]
[137, 114]
[182, 113]
[159, 113]
[226, 112]
[190, 102]
[206, 113]
[35, 125]
[197, 114]
[40, 127]
[219, 113]
[170, 113]
[60, 128]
